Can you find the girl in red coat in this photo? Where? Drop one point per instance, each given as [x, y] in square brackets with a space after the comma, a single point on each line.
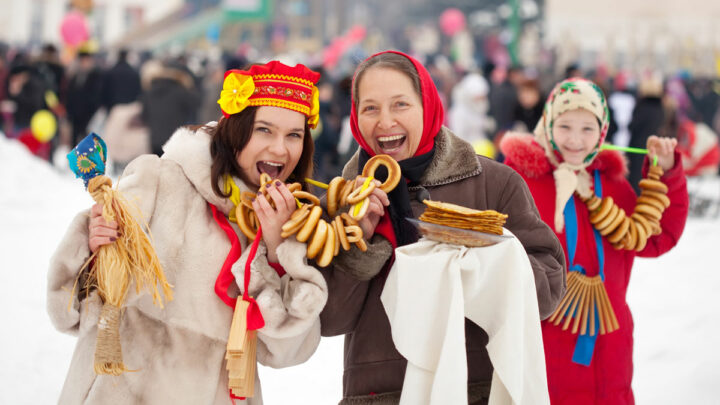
[564, 168]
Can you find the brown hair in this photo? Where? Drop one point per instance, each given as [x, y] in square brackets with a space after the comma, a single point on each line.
[229, 138]
[387, 60]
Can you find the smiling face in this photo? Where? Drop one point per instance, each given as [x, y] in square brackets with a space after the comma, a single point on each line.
[576, 133]
[275, 145]
[390, 112]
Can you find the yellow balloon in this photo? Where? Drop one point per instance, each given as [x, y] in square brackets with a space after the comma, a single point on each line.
[484, 147]
[43, 125]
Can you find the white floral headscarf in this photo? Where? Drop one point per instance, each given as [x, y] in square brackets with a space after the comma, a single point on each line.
[569, 95]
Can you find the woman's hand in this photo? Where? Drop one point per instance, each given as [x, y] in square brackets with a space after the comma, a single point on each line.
[376, 209]
[101, 232]
[272, 219]
[664, 149]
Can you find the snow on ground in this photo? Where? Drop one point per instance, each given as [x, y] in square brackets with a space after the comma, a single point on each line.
[674, 300]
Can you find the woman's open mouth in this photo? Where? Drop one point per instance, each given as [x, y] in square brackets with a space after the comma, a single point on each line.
[392, 143]
[273, 169]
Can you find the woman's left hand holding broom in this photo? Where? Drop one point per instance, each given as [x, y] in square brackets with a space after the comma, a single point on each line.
[102, 232]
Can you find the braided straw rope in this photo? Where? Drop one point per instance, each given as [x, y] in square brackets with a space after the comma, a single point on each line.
[130, 258]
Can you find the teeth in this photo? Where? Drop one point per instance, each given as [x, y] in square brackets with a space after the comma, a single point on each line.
[390, 138]
[273, 164]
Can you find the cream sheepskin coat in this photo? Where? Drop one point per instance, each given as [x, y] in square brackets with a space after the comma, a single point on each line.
[179, 351]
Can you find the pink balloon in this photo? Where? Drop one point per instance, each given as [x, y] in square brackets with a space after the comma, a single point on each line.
[452, 21]
[74, 29]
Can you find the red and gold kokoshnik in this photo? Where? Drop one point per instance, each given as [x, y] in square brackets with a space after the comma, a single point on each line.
[273, 84]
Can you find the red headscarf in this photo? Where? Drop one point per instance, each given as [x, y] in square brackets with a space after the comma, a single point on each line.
[433, 112]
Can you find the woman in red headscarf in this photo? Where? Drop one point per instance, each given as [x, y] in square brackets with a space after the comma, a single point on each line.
[396, 111]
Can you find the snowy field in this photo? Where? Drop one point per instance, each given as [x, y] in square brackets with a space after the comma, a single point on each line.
[674, 299]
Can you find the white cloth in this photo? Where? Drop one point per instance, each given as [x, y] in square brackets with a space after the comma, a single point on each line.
[430, 290]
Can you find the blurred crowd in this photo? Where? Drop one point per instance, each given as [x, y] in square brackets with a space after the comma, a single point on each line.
[136, 101]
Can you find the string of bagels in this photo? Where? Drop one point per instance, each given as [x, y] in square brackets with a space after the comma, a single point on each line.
[347, 204]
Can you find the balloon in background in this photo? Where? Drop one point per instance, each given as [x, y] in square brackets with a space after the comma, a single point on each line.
[43, 125]
[74, 29]
[485, 148]
[452, 21]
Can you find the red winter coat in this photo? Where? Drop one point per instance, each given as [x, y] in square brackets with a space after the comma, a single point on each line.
[608, 378]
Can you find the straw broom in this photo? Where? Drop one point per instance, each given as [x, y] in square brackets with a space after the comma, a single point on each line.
[131, 258]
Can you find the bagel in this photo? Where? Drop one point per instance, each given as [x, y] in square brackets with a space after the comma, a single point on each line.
[643, 222]
[393, 168]
[264, 179]
[603, 211]
[242, 216]
[354, 233]
[653, 185]
[328, 250]
[333, 194]
[656, 228]
[246, 198]
[363, 210]
[304, 234]
[651, 201]
[649, 211]
[296, 221]
[348, 219]
[609, 218]
[658, 196]
[345, 192]
[593, 203]
[304, 195]
[341, 233]
[633, 234]
[361, 245]
[621, 231]
[655, 172]
[359, 194]
[294, 187]
[641, 239]
[336, 240]
[318, 239]
[615, 223]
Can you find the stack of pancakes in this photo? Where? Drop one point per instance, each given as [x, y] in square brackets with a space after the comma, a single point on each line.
[456, 216]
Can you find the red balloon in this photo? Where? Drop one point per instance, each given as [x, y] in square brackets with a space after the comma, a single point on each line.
[452, 21]
[74, 28]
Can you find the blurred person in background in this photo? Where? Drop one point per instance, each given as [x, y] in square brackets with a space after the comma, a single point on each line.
[468, 116]
[83, 94]
[530, 105]
[327, 158]
[51, 70]
[648, 118]
[25, 93]
[121, 83]
[621, 103]
[503, 98]
[169, 101]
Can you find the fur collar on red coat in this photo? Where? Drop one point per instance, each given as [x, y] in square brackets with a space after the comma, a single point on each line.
[526, 155]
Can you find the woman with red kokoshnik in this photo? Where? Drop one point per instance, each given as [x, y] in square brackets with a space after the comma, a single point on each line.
[188, 198]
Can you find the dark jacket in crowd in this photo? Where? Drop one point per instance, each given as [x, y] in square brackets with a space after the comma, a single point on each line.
[647, 118]
[121, 85]
[83, 100]
[167, 105]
